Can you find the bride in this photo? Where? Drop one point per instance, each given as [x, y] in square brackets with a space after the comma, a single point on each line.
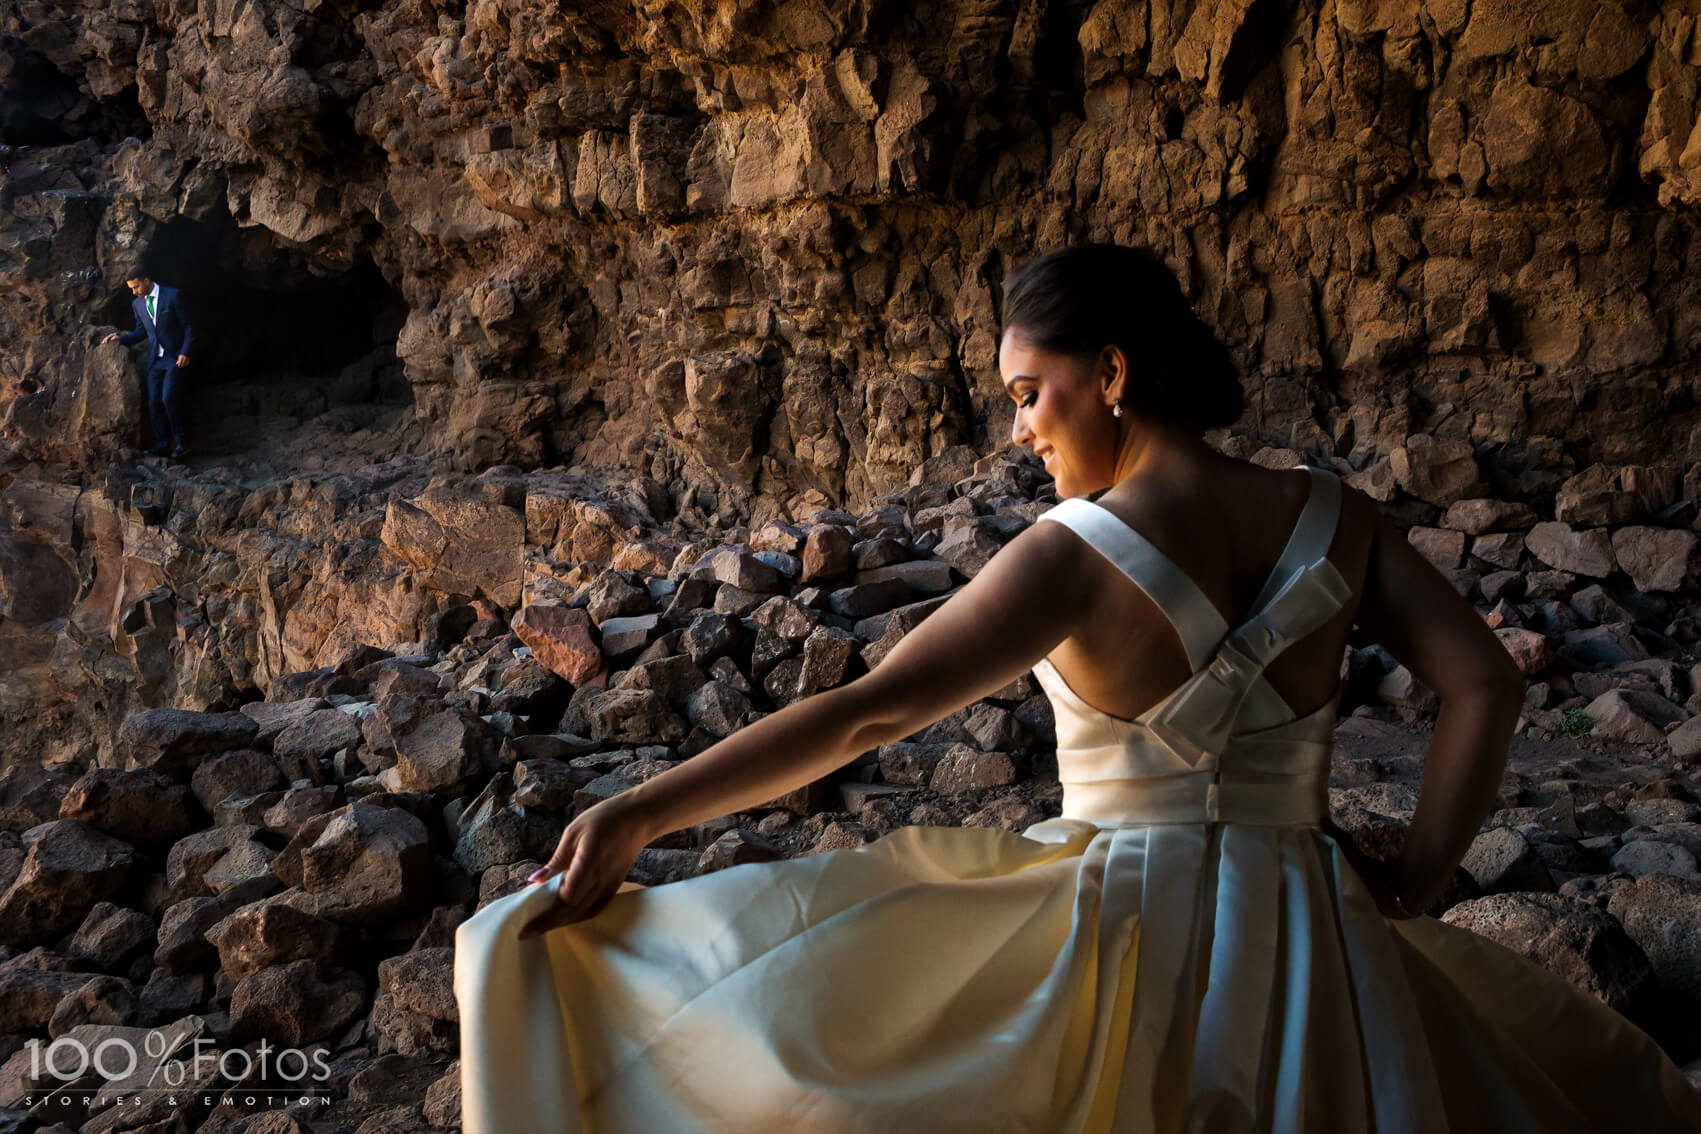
[1190, 945]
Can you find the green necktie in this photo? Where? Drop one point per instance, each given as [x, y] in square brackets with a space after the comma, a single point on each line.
[151, 314]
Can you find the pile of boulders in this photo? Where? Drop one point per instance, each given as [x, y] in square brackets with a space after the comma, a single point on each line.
[292, 872]
[1587, 601]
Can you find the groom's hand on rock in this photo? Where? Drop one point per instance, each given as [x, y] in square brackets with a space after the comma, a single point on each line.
[595, 854]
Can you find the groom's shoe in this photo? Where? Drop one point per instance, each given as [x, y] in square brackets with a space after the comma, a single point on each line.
[159, 450]
[179, 451]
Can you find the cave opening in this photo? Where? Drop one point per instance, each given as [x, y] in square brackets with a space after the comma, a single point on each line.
[280, 340]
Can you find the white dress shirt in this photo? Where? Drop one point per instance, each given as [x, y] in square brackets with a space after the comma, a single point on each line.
[154, 315]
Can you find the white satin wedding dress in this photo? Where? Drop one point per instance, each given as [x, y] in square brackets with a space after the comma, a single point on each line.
[1183, 949]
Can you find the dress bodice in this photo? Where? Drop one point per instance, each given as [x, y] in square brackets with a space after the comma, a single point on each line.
[1223, 746]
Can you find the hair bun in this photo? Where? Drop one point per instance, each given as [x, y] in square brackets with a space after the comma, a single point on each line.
[1080, 299]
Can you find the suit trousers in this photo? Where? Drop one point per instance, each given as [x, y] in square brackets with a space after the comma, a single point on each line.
[166, 409]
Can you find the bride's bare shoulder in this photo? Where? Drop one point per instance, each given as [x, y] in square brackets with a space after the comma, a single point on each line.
[1228, 485]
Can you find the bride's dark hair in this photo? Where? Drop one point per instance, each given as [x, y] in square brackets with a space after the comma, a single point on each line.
[1080, 299]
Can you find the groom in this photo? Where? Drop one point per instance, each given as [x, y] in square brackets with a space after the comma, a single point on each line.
[160, 316]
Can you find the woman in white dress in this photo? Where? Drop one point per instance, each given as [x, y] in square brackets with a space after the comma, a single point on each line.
[1191, 945]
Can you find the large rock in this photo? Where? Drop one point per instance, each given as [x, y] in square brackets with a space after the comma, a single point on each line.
[460, 540]
[735, 847]
[1529, 649]
[415, 1011]
[297, 1003]
[362, 863]
[314, 737]
[827, 554]
[563, 638]
[36, 583]
[1572, 939]
[214, 860]
[1602, 647]
[717, 708]
[1486, 514]
[446, 750]
[29, 997]
[1594, 498]
[741, 569]
[964, 770]
[31, 795]
[1540, 143]
[244, 772]
[634, 716]
[495, 829]
[1634, 716]
[273, 931]
[110, 935]
[1582, 552]
[1436, 471]
[68, 866]
[528, 689]
[423, 980]
[1502, 859]
[174, 741]
[913, 763]
[1662, 914]
[273, 717]
[1658, 559]
[1640, 858]
[1444, 548]
[182, 945]
[674, 678]
[139, 806]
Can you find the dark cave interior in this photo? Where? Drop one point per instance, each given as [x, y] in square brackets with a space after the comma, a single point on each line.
[261, 317]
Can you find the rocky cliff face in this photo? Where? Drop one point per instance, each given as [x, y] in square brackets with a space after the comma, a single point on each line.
[757, 249]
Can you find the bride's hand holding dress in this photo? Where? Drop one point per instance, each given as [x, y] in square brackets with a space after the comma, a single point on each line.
[1380, 877]
[596, 852]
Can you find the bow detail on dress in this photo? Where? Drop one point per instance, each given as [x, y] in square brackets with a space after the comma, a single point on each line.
[1199, 719]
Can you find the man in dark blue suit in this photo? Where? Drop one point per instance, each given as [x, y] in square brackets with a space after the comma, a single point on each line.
[161, 318]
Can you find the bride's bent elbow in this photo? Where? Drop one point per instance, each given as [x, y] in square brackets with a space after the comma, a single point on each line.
[1489, 677]
[1491, 693]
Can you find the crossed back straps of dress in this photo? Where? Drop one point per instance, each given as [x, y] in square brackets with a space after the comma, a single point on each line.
[1304, 590]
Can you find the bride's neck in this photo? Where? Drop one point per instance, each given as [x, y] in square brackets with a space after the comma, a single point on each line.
[1163, 454]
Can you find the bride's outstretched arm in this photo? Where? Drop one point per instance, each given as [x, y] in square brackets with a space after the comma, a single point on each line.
[1009, 616]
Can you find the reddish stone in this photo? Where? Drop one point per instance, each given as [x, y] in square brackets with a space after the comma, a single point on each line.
[563, 638]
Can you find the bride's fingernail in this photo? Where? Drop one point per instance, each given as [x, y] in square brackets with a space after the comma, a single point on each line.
[535, 875]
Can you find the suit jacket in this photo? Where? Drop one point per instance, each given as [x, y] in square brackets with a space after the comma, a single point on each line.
[172, 330]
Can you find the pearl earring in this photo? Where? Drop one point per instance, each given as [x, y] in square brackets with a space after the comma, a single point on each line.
[1116, 410]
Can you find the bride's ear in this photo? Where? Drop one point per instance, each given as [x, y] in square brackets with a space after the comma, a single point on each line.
[1113, 373]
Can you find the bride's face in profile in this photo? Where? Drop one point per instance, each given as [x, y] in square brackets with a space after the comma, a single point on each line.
[1061, 412]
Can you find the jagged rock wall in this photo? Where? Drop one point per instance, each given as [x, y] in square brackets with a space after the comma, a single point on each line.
[758, 247]
[142, 587]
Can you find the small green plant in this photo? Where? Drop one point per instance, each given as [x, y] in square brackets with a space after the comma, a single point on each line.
[1576, 721]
